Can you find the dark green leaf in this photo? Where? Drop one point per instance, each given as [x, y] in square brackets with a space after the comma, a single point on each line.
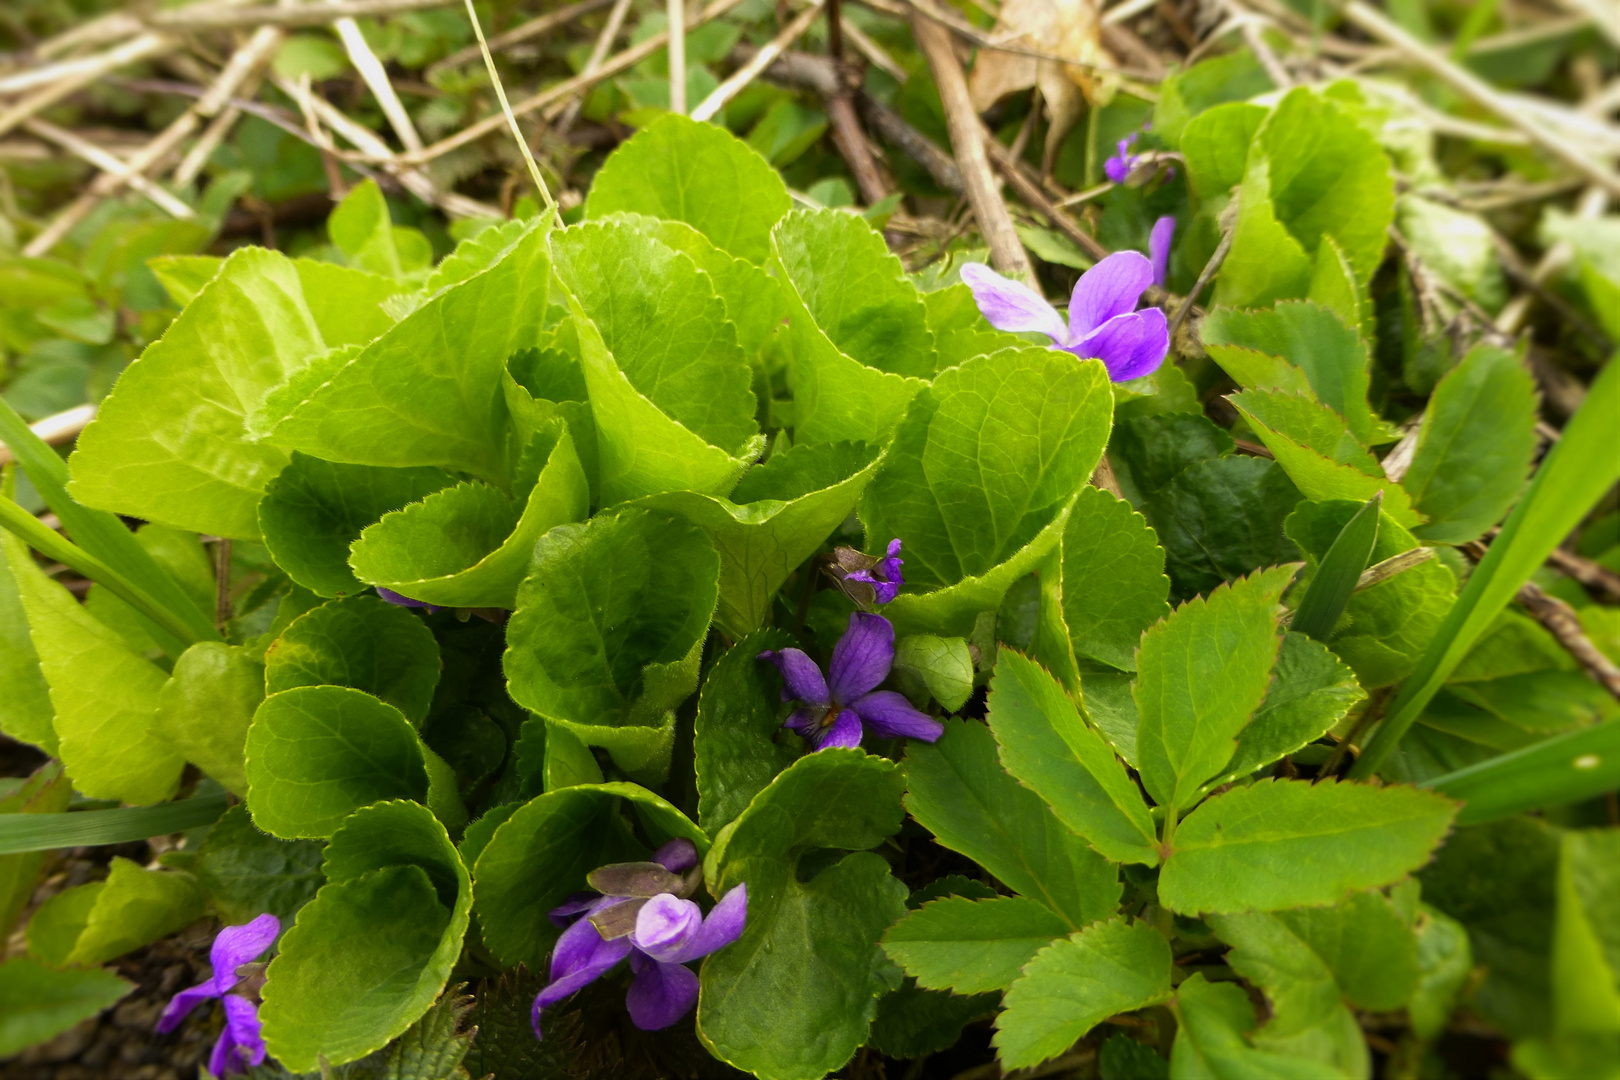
[360, 642]
[738, 747]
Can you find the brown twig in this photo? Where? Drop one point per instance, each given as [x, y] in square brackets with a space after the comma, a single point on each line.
[1563, 623]
[1595, 576]
[969, 141]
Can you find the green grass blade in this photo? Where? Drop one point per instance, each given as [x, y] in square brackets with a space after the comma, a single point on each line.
[43, 832]
[1341, 568]
[1553, 772]
[1573, 477]
[53, 545]
[99, 533]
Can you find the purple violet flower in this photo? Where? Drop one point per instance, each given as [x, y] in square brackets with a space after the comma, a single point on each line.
[398, 600]
[832, 710]
[642, 913]
[239, 1045]
[1120, 165]
[866, 579]
[1103, 321]
[1164, 230]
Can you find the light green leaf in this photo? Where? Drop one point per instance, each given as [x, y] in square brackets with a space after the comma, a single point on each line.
[738, 748]
[1265, 263]
[38, 1003]
[361, 228]
[1319, 455]
[315, 509]
[315, 754]
[942, 666]
[1367, 945]
[1114, 586]
[1308, 339]
[1310, 692]
[838, 395]
[569, 761]
[170, 443]
[958, 791]
[1201, 674]
[698, 173]
[1215, 144]
[427, 392]
[467, 546]
[609, 626]
[206, 706]
[971, 946]
[783, 511]
[1074, 984]
[1445, 962]
[980, 477]
[667, 330]
[48, 792]
[819, 936]
[1474, 447]
[1586, 934]
[1334, 285]
[25, 702]
[104, 696]
[1457, 247]
[183, 276]
[542, 851]
[640, 450]
[94, 923]
[360, 642]
[1210, 1043]
[1046, 744]
[1281, 844]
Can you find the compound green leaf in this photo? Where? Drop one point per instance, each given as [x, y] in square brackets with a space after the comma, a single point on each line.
[819, 936]
[104, 695]
[737, 745]
[314, 510]
[468, 545]
[1201, 674]
[1281, 844]
[958, 790]
[315, 754]
[360, 642]
[783, 511]
[38, 1003]
[206, 706]
[1076, 983]
[428, 392]
[1114, 586]
[609, 626]
[170, 443]
[1047, 746]
[1474, 447]
[971, 946]
[683, 170]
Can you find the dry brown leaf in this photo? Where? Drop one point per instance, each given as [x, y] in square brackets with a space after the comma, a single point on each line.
[1066, 28]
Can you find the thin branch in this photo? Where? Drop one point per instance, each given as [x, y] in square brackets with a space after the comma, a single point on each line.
[599, 52]
[130, 52]
[229, 17]
[376, 78]
[1593, 202]
[506, 107]
[1564, 624]
[1594, 575]
[110, 165]
[968, 140]
[677, 55]
[762, 59]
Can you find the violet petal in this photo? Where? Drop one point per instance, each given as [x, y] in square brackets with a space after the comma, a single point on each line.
[665, 925]
[801, 677]
[238, 945]
[723, 925]
[1109, 289]
[1011, 305]
[182, 1003]
[661, 993]
[581, 957]
[677, 855]
[401, 600]
[844, 732]
[862, 657]
[890, 715]
[576, 904]
[1164, 230]
[1130, 346]
[242, 1021]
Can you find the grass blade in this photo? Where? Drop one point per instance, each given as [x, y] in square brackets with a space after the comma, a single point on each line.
[1341, 568]
[1580, 468]
[99, 533]
[1554, 772]
[43, 832]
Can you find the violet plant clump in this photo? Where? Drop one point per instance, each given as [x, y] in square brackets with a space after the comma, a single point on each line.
[240, 1044]
[642, 912]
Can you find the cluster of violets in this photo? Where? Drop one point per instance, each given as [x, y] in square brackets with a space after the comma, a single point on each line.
[235, 981]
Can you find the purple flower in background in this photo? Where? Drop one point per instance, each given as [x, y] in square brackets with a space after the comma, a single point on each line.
[833, 710]
[1103, 320]
[1164, 230]
[398, 600]
[239, 1045]
[1120, 165]
[866, 579]
[642, 913]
